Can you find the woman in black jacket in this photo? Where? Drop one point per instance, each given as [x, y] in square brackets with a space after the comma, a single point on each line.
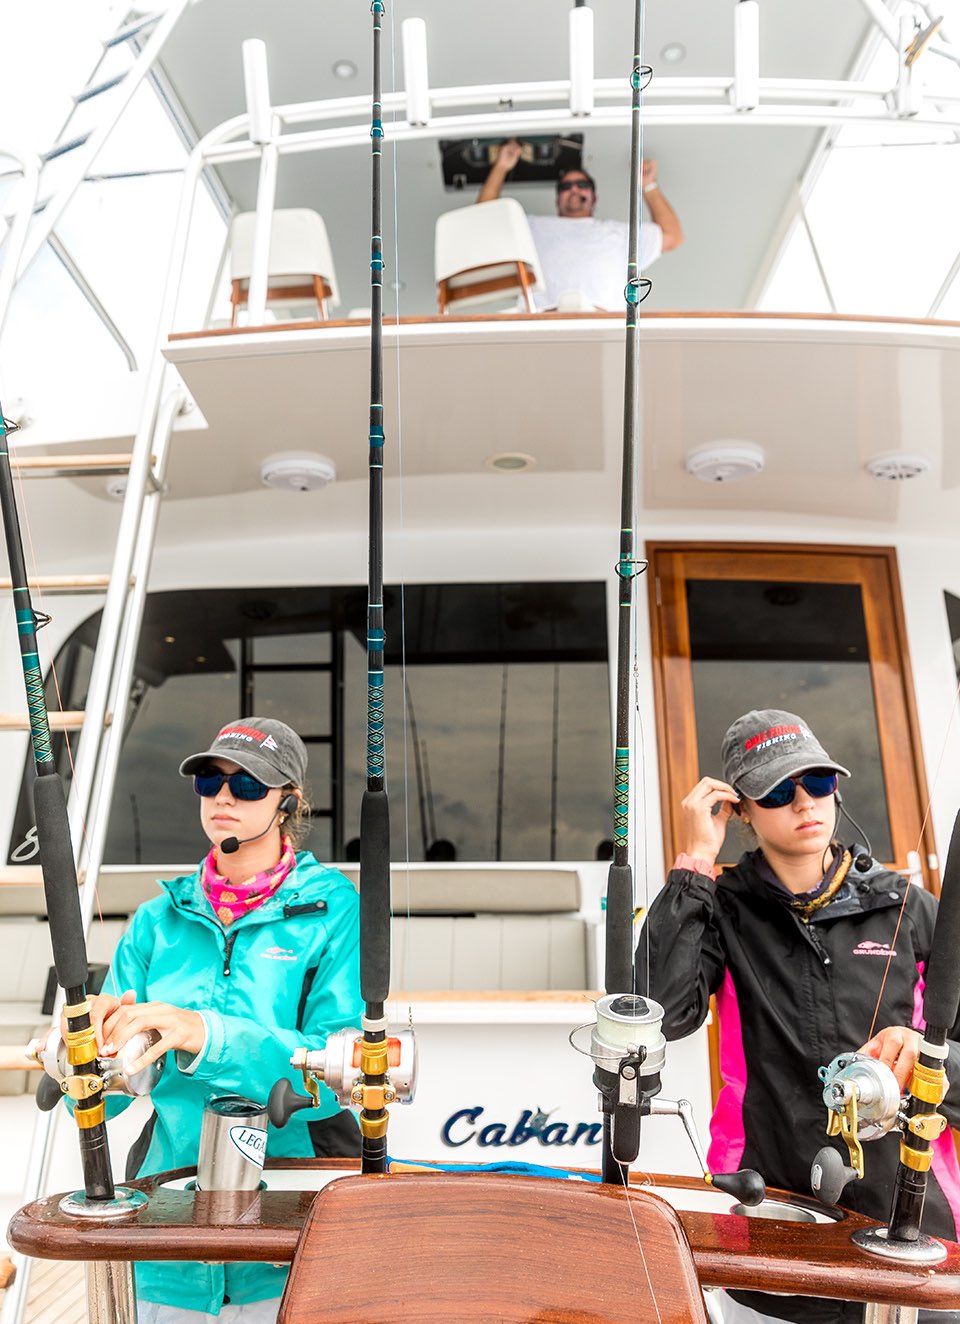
[794, 942]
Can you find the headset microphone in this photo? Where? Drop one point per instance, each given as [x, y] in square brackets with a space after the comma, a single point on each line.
[288, 805]
[863, 862]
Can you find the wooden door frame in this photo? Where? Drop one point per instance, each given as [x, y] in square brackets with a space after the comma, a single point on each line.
[875, 570]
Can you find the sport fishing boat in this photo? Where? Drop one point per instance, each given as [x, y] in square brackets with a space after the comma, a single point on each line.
[186, 314]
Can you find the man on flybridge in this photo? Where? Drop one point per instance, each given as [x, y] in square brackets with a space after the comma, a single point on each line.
[580, 254]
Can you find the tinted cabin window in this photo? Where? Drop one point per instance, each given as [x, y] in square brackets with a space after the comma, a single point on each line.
[498, 725]
[798, 646]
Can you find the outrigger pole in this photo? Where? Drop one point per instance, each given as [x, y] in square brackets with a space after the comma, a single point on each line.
[84, 1079]
[374, 811]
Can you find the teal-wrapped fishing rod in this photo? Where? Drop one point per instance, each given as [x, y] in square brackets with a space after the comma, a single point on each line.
[374, 809]
[84, 1083]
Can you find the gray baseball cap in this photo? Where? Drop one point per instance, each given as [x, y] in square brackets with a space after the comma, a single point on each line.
[269, 750]
[768, 745]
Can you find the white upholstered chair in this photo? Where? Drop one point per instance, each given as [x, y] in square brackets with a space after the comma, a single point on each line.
[484, 251]
[300, 266]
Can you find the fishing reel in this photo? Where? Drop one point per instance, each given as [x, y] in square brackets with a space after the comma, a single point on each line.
[629, 1050]
[862, 1098]
[50, 1052]
[340, 1066]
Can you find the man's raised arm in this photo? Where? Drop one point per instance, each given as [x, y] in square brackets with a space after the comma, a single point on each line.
[661, 213]
[507, 158]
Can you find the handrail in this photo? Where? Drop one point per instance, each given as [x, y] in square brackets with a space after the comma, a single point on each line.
[17, 235]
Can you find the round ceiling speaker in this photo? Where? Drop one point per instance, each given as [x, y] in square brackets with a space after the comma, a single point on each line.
[895, 466]
[725, 461]
[297, 471]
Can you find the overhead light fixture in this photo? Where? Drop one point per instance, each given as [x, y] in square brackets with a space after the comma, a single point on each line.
[297, 471]
[511, 461]
[344, 69]
[725, 461]
[673, 52]
[415, 75]
[581, 60]
[896, 466]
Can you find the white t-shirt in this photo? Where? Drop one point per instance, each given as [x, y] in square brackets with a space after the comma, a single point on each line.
[588, 255]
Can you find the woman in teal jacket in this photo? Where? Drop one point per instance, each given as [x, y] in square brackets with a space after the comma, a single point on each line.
[252, 956]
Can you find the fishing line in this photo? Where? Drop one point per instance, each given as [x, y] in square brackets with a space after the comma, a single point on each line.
[404, 679]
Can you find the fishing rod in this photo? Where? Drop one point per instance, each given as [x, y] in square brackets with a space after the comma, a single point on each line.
[620, 1088]
[863, 1099]
[367, 1070]
[84, 1081]
[374, 809]
[626, 1043]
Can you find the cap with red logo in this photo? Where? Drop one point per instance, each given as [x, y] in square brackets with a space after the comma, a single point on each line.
[766, 746]
[269, 750]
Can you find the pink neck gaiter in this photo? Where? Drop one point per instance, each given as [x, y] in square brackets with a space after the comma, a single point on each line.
[231, 900]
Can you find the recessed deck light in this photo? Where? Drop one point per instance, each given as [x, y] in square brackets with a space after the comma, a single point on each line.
[511, 461]
[344, 69]
[725, 461]
[673, 52]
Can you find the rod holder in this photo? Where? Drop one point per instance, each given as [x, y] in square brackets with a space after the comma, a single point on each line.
[415, 74]
[256, 87]
[746, 55]
[581, 60]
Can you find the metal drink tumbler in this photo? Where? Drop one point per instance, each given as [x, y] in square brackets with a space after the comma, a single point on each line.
[233, 1144]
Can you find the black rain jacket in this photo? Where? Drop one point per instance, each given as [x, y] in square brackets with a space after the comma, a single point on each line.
[791, 996]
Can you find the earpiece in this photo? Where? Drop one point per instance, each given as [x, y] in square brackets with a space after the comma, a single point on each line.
[863, 862]
[286, 807]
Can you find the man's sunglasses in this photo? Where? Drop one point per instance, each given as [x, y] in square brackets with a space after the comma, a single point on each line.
[817, 784]
[242, 785]
[566, 184]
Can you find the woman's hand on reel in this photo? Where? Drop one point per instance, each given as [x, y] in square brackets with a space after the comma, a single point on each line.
[178, 1029]
[897, 1046]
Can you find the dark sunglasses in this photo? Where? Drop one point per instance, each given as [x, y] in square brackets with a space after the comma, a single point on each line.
[585, 184]
[242, 785]
[817, 784]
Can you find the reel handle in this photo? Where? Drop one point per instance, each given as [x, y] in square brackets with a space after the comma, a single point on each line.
[284, 1101]
[48, 1093]
[746, 1185]
[829, 1174]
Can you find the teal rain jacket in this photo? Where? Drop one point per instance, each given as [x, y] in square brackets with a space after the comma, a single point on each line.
[282, 976]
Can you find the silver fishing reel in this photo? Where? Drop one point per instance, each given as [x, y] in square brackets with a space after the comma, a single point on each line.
[853, 1080]
[337, 1064]
[625, 1023]
[51, 1052]
[629, 1050]
[862, 1098]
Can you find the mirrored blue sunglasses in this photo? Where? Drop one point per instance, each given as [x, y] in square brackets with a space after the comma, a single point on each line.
[243, 786]
[817, 784]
